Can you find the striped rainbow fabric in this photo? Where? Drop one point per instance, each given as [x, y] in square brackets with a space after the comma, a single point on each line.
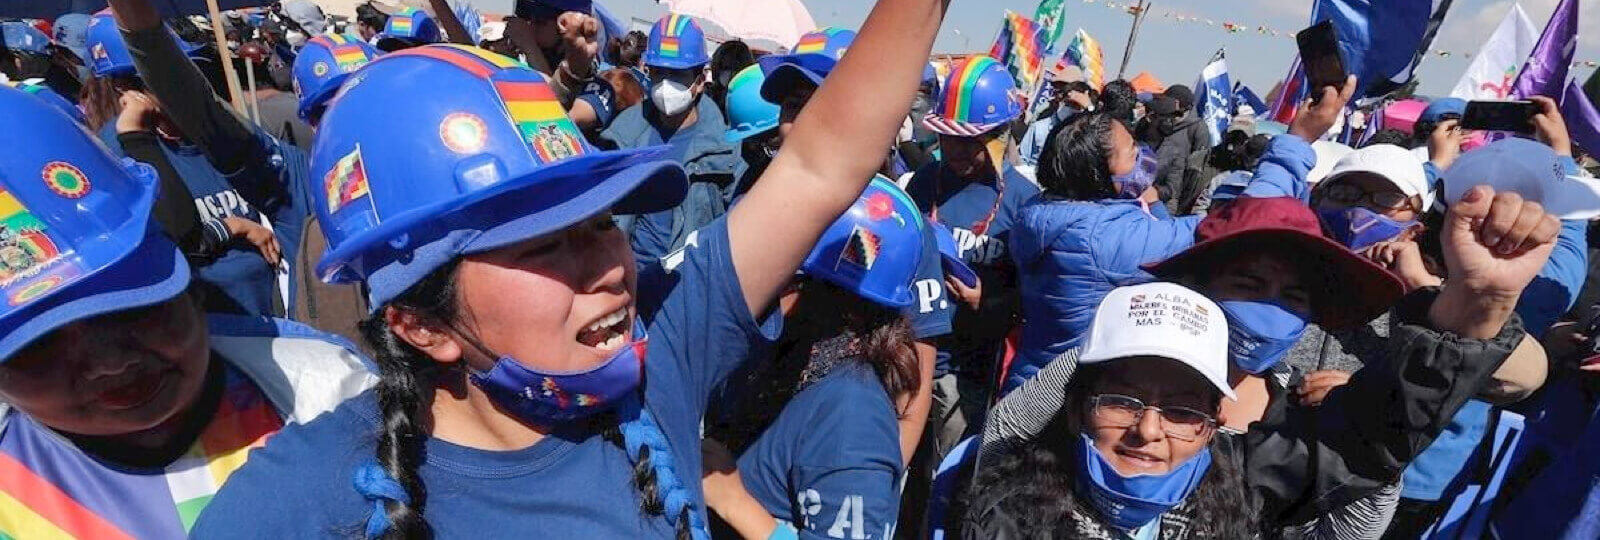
[400, 23]
[1084, 52]
[958, 96]
[671, 28]
[1020, 47]
[816, 42]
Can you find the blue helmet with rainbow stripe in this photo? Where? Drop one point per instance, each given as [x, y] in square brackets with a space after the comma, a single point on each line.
[409, 176]
[108, 54]
[76, 238]
[874, 248]
[977, 98]
[811, 60]
[39, 90]
[323, 64]
[408, 28]
[748, 113]
[676, 42]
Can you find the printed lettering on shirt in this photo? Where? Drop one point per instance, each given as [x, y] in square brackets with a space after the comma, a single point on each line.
[928, 294]
[810, 504]
[672, 260]
[849, 519]
[222, 204]
[978, 249]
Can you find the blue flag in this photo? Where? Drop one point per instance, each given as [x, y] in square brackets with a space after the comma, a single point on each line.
[1382, 41]
[1243, 95]
[1216, 109]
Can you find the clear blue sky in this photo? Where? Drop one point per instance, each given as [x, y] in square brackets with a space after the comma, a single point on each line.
[1174, 52]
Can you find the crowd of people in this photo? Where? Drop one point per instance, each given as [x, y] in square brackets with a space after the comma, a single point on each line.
[422, 274]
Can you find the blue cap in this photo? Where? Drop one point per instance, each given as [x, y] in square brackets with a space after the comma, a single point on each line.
[410, 176]
[1443, 106]
[811, 60]
[108, 54]
[748, 113]
[950, 255]
[874, 248]
[409, 27]
[323, 64]
[39, 90]
[71, 31]
[76, 238]
[676, 42]
[23, 37]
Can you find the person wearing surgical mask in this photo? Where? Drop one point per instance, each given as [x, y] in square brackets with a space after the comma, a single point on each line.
[676, 115]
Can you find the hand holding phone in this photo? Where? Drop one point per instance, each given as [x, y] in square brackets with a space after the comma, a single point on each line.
[1486, 115]
[1319, 54]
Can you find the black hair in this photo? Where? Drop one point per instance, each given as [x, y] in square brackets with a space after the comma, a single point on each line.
[1118, 99]
[1388, 136]
[729, 58]
[405, 392]
[630, 49]
[369, 15]
[1034, 483]
[1074, 164]
[829, 325]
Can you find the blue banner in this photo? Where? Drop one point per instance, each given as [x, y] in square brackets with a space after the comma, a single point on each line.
[1216, 109]
[1382, 41]
[1243, 95]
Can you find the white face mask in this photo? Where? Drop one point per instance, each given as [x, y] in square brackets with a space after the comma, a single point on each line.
[295, 38]
[671, 97]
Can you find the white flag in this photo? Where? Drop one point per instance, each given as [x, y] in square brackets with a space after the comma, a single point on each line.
[1496, 66]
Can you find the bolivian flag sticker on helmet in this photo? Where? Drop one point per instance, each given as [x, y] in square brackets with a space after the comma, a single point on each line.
[66, 180]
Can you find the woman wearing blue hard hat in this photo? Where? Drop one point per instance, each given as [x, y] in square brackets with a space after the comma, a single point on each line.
[512, 323]
[126, 406]
[240, 177]
[694, 128]
[844, 366]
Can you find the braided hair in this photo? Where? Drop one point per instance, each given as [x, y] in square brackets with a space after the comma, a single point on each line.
[406, 375]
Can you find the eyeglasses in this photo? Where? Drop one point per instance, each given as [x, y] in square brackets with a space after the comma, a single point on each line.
[1352, 195]
[1182, 423]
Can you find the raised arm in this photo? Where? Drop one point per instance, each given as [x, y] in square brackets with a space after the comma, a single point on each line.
[837, 144]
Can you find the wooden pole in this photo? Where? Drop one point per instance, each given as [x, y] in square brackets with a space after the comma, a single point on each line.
[234, 95]
[1133, 35]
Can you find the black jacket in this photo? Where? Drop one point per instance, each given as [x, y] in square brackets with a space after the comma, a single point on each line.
[1179, 144]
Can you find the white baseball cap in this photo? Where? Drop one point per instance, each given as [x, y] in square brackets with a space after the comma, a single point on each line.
[1328, 153]
[1398, 165]
[1165, 320]
[1530, 169]
[492, 31]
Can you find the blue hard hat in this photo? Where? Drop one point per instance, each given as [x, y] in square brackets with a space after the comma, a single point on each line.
[108, 54]
[445, 150]
[950, 256]
[1443, 106]
[23, 37]
[407, 28]
[76, 238]
[874, 248]
[676, 42]
[323, 64]
[976, 99]
[748, 114]
[811, 60]
[56, 100]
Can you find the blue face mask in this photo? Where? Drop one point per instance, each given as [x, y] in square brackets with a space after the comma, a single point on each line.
[1359, 228]
[1130, 503]
[1260, 333]
[1141, 177]
[547, 398]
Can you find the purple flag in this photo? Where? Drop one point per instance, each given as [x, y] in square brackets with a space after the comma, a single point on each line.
[1583, 121]
[1547, 68]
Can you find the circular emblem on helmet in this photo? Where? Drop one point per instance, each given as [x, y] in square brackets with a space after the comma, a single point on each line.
[463, 133]
[34, 290]
[319, 69]
[66, 180]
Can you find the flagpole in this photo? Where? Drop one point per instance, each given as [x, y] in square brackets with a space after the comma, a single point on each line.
[226, 56]
[1133, 34]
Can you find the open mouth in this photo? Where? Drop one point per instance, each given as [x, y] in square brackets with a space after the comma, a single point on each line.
[609, 333]
[135, 391]
[1140, 460]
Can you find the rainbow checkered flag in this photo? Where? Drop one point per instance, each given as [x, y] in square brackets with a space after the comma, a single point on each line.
[1020, 48]
[1084, 52]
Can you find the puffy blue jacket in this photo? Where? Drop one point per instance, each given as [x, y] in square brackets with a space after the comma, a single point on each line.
[1069, 254]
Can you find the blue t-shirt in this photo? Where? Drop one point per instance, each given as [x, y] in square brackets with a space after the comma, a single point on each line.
[571, 484]
[278, 187]
[932, 311]
[965, 206]
[706, 156]
[843, 484]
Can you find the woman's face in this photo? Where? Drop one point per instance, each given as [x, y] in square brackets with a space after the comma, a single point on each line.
[1366, 190]
[559, 302]
[114, 374]
[789, 110]
[1124, 153]
[1260, 276]
[1146, 447]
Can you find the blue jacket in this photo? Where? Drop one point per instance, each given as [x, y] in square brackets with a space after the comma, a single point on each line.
[1069, 254]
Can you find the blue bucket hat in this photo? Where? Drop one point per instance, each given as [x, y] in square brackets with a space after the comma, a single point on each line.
[874, 248]
[676, 42]
[811, 60]
[76, 238]
[323, 64]
[1443, 106]
[748, 113]
[108, 54]
[409, 177]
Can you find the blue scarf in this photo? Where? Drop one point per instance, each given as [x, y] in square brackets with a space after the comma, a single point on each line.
[1130, 503]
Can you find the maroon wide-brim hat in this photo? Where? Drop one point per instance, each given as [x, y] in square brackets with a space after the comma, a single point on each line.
[1348, 289]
